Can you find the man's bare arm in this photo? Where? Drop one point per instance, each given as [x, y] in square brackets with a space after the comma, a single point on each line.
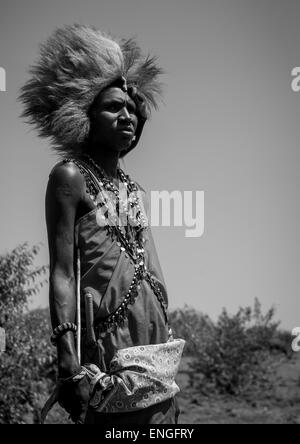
[63, 195]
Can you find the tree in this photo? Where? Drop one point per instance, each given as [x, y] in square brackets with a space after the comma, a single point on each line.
[28, 352]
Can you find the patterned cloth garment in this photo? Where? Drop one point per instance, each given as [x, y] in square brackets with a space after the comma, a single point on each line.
[108, 273]
[138, 377]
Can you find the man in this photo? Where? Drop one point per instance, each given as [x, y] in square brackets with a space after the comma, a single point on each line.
[92, 96]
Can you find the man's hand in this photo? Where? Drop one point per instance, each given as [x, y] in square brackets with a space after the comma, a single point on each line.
[74, 398]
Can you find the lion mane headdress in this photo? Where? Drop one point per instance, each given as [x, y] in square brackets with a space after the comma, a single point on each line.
[75, 64]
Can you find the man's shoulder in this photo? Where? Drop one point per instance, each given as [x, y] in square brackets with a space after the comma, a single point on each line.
[66, 171]
[66, 179]
[140, 188]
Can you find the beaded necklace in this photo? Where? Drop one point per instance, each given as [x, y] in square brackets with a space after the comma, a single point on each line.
[109, 197]
[132, 247]
[140, 221]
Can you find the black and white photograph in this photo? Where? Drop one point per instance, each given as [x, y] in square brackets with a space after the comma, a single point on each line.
[149, 237]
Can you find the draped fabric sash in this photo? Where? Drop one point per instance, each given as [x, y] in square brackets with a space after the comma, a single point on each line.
[138, 377]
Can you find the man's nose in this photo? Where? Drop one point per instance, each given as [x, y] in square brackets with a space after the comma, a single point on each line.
[125, 114]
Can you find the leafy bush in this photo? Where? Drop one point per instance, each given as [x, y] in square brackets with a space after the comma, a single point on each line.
[28, 355]
[193, 326]
[235, 354]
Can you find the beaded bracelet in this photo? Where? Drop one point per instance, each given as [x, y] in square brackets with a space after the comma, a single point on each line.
[61, 330]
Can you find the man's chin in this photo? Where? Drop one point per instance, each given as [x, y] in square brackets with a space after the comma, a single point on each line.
[125, 146]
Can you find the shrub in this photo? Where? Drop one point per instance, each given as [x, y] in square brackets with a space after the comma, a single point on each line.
[28, 355]
[235, 354]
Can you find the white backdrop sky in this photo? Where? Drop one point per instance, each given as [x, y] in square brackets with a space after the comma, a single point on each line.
[229, 126]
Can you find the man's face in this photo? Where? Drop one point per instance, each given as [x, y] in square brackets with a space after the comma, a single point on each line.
[113, 120]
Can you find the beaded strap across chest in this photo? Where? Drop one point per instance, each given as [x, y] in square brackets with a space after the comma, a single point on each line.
[130, 241]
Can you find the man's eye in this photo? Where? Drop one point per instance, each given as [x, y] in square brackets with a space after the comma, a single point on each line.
[132, 109]
[114, 107]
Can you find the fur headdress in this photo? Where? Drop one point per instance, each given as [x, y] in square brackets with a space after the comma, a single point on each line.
[76, 63]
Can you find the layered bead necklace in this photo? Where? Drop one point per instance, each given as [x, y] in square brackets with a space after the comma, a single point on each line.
[131, 242]
[117, 208]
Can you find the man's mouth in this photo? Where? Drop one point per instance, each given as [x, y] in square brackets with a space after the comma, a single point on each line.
[126, 130]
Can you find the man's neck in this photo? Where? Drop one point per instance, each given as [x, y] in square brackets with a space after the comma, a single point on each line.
[107, 160]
